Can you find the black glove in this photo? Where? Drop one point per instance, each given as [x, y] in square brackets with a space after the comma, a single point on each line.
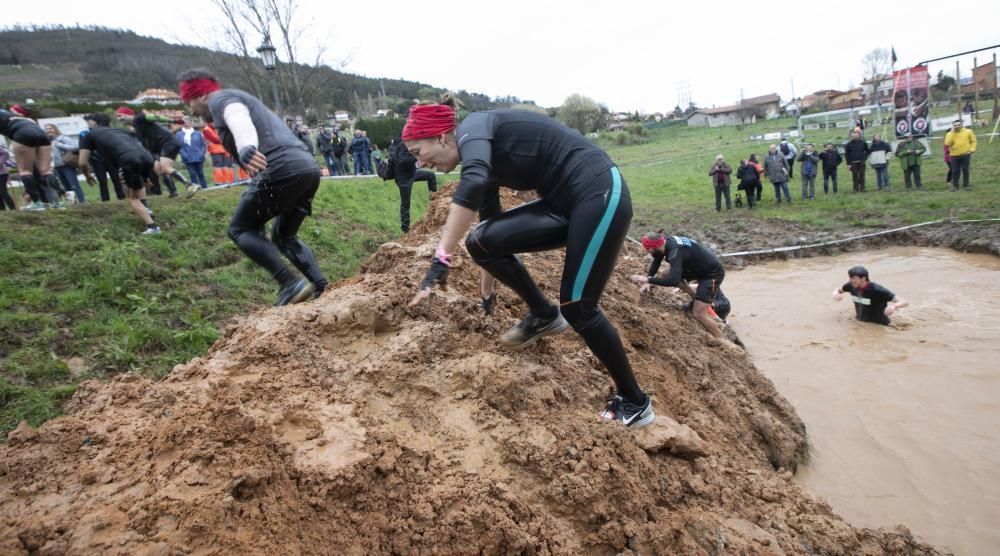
[438, 274]
[490, 303]
[246, 154]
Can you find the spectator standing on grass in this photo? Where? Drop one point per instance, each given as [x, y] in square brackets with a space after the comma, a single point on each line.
[789, 151]
[755, 160]
[962, 142]
[359, 150]
[324, 144]
[61, 146]
[6, 201]
[368, 155]
[947, 162]
[909, 151]
[856, 152]
[749, 179]
[340, 152]
[405, 174]
[302, 132]
[376, 157]
[193, 149]
[776, 169]
[878, 157]
[720, 172]
[831, 159]
[809, 168]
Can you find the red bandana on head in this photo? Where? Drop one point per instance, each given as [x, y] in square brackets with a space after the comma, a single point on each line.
[194, 88]
[125, 111]
[649, 243]
[429, 120]
[19, 110]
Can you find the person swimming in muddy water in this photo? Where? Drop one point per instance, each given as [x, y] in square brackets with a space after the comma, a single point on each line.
[872, 302]
[689, 262]
[584, 206]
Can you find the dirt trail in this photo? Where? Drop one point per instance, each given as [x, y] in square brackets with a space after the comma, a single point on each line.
[353, 425]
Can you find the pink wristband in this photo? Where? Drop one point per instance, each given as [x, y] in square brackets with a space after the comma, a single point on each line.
[443, 257]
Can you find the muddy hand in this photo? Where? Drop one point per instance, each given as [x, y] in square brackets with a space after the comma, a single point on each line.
[437, 274]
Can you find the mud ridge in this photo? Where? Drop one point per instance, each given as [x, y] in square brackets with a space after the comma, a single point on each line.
[354, 425]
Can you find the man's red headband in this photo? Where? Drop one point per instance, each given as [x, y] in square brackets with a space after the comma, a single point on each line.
[195, 88]
[429, 120]
[19, 110]
[125, 111]
[648, 243]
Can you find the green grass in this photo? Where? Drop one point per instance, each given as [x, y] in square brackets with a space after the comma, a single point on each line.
[82, 283]
[669, 182]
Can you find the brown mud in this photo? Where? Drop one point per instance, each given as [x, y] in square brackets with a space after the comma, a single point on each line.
[354, 425]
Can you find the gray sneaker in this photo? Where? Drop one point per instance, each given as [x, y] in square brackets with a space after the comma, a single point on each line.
[296, 293]
[631, 415]
[152, 231]
[531, 329]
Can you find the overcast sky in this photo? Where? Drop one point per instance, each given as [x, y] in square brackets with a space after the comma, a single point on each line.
[627, 55]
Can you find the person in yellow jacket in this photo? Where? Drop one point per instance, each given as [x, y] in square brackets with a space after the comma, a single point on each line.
[962, 143]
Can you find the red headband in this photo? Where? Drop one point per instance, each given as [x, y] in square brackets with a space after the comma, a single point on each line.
[19, 110]
[649, 243]
[194, 88]
[429, 120]
[125, 111]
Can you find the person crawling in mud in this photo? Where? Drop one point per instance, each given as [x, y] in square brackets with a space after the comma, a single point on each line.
[584, 206]
[689, 262]
[872, 302]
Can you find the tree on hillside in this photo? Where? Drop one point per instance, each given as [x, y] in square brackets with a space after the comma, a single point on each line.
[583, 114]
[250, 21]
[877, 64]
[678, 113]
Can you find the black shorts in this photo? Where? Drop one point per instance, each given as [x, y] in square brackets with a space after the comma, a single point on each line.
[169, 151]
[708, 286]
[135, 171]
[27, 133]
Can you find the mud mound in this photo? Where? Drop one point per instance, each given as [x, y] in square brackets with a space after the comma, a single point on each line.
[353, 425]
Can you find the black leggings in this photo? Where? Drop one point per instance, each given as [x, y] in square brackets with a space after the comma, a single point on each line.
[288, 202]
[101, 171]
[6, 201]
[592, 233]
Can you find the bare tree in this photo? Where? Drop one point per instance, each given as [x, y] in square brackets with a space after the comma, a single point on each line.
[877, 65]
[252, 20]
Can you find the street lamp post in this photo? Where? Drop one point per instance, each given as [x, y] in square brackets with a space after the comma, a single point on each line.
[269, 57]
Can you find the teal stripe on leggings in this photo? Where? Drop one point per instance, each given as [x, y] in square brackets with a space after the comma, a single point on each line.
[602, 230]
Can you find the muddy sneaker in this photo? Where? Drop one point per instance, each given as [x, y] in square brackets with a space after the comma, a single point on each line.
[34, 206]
[631, 415]
[192, 190]
[531, 329]
[295, 293]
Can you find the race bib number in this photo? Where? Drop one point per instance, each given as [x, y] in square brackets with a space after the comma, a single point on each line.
[686, 242]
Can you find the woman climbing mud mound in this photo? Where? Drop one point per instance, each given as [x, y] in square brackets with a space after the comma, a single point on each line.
[584, 206]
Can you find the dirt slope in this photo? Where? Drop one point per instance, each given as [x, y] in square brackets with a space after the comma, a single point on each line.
[353, 425]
